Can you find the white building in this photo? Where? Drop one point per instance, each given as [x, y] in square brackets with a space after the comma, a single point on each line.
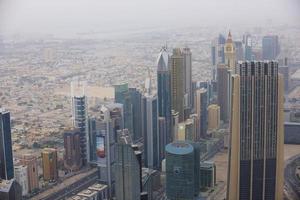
[21, 176]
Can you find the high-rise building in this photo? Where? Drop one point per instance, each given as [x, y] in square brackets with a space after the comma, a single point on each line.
[213, 117]
[72, 158]
[10, 190]
[102, 133]
[150, 131]
[222, 90]
[201, 111]
[162, 128]
[217, 54]
[122, 96]
[164, 91]
[247, 40]
[239, 50]
[186, 130]
[270, 47]
[180, 171]
[127, 169]
[256, 146]
[136, 99]
[30, 161]
[187, 70]
[49, 161]
[175, 121]
[21, 176]
[284, 70]
[207, 174]
[6, 156]
[177, 80]
[230, 52]
[79, 116]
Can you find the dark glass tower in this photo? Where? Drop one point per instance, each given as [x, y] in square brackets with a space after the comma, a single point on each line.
[164, 91]
[6, 156]
[256, 146]
[136, 99]
[270, 47]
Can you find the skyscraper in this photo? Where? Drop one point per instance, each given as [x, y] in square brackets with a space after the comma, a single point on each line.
[222, 91]
[150, 131]
[256, 146]
[30, 161]
[177, 80]
[21, 176]
[213, 116]
[187, 69]
[164, 91]
[217, 54]
[247, 40]
[49, 161]
[136, 99]
[162, 128]
[230, 52]
[270, 47]
[6, 156]
[79, 116]
[127, 169]
[122, 96]
[72, 158]
[201, 111]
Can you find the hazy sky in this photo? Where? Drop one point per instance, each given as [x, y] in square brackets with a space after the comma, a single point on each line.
[76, 16]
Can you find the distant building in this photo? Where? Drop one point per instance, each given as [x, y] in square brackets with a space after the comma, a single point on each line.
[270, 47]
[162, 128]
[230, 53]
[30, 161]
[180, 171]
[247, 41]
[21, 176]
[239, 51]
[127, 169]
[217, 54]
[213, 117]
[72, 158]
[79, 115]
[207, 175]
[284, 70]
[10, 190]
[49, 161]
[201, 103]
[222, 90]
[6, 155]
[187, 70]
[174, 124]
[256, 151]
[177, 80]
[136, 99]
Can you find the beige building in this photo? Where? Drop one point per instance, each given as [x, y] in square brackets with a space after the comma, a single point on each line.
[49, 161]
[256, 153]
[229, 51]
[213, 117]
[31, 162]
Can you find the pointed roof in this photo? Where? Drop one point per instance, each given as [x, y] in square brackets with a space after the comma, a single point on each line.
[162, 60]
[229, 38]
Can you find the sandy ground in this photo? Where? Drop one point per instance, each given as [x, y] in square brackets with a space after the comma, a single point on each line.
[91, 91]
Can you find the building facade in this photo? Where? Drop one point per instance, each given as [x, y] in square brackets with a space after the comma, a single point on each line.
[49, 162]
[72, 158]
[213, 117]
[30, 161]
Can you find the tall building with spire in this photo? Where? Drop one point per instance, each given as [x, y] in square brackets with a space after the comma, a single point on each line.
[230, 53]
[187, 69]
[256, 148]
[164, 91]
[177, 80]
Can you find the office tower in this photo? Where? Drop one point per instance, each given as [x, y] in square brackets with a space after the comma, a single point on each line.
[6, 156]
[180, 171]
[187, 70]
[239, 50]
[177, 80]
[136, 99]
[122, 96]
[284, 70]
[201, 111]
[102, 133]
[127, 169]
[72, 158]
[230, 52]
[270, 47]
[222, 90]
[162, 128]
[213, 117]
[247, 40]
[49, 162]
[10, 190]
[32, 167]
[207, 174]
[150, 131]
[256, 146]
[164, 91]
[21, 176]
[186, 130]
[175, 121]
[79, 116]
[217, 54]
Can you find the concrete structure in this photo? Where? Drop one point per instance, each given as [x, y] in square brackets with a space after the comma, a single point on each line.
[49, 161]
[213, 117]
[94, 192]
[79, 116]
[72, 158]
[32, 166]
[256, 171]
[207, 175]
[127, 169]
[10, 190]
[6, 156]
[180, 174]
[21, 176]
[177, 86]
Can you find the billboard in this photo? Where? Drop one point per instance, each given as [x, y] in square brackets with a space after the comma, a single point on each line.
[100, 149]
